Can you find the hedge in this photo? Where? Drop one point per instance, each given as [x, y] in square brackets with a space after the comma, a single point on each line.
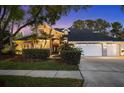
[36, 53]
[71, 56]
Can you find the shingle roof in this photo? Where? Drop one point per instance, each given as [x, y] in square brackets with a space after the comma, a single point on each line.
[25, 37]
[85, 35]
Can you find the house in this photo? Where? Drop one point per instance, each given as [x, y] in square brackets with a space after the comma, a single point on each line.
[96, 44]
[92, 44]
[46, 37]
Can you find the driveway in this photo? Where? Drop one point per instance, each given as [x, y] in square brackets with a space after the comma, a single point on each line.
[103, 71]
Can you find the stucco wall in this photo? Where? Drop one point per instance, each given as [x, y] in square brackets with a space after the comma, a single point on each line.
[49, 31]
[28, 44]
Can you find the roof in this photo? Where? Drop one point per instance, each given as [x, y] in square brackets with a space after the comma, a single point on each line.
[59, 29]
[83, 35]
[29, 37]
[25, 37]
[86, 35]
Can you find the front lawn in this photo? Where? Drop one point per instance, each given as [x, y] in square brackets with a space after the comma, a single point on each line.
[36, 65]
[22, 81]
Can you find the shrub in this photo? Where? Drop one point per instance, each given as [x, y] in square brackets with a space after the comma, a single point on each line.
[36, 53]
[66, 46]
[70, 55]
[6, 51]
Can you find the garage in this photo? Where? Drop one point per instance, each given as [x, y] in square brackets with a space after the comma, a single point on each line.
[96, 44]
[99, 49]
[90, 49]
[113, 50]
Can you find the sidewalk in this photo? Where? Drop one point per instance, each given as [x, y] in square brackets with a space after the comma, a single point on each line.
[43, 73]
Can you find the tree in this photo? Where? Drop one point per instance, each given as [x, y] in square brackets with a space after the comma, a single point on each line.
[79, 24]
[10, 15]
[122, 8]
[98, 25]
[19, 35]
[90, 24]
[116, 29]
[83, 24]
[102, 25]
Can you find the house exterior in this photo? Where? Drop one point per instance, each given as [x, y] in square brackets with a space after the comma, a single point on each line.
[51, 42]
[92, 44]
[96, 44]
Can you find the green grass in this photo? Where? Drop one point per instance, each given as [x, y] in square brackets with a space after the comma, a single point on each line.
[22, 81]
[39, 65]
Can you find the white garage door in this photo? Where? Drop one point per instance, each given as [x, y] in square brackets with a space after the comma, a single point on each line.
[112, 50]
[91, 49]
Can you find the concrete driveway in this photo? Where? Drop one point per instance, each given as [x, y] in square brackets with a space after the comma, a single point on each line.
[103, 71]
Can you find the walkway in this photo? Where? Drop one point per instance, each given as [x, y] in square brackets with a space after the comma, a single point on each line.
[43, 73]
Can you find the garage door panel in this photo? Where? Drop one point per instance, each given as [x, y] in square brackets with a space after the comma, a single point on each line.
[112, 50]
[96, 49]
[91, 49]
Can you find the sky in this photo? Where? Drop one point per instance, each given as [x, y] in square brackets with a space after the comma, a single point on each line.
[110, 13]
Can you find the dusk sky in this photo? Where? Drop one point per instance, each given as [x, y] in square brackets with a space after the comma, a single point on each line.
[110, 13]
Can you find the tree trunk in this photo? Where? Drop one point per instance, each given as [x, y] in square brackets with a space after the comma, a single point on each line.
[11, 38]
[1, 41]
[1, 47]
[11, 44]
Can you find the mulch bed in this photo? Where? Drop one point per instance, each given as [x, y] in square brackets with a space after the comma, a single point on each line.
[20, 58]
[17, 58]
[23, 59]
